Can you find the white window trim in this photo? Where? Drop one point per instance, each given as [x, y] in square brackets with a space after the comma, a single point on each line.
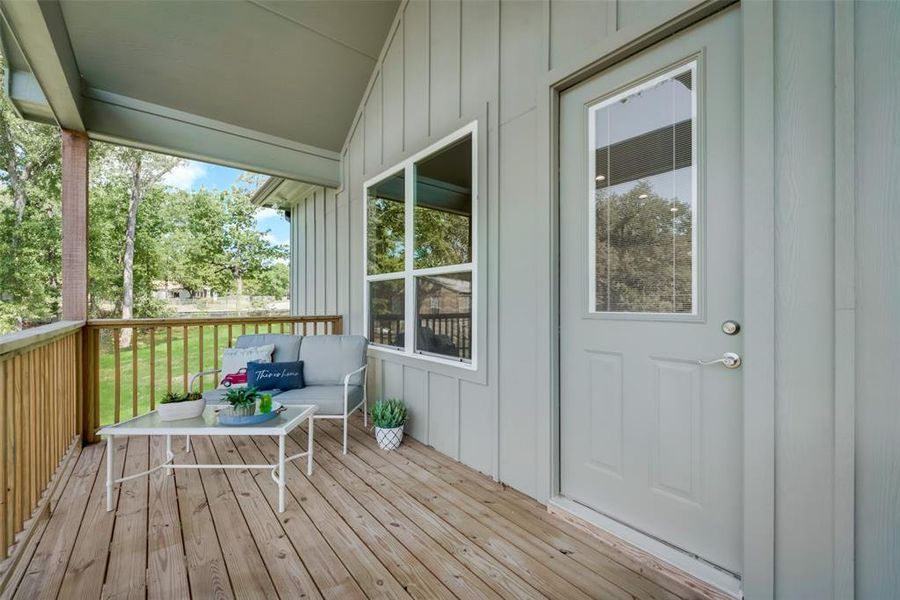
[409, 275]
[692, 65]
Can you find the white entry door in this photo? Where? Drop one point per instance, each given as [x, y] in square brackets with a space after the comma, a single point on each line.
[651, 283]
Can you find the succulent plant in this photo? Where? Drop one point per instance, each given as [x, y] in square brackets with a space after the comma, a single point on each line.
[388, 414]
[242, 397]
[175, 397]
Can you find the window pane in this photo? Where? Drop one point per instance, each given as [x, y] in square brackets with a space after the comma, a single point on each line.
[444, 312]
[386, 312]
[643, 200]
[386, 226]
[443, 213]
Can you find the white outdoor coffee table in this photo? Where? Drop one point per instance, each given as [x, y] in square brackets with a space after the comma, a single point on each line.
[207, 424]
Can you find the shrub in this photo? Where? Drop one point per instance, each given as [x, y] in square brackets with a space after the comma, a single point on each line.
[389, 413]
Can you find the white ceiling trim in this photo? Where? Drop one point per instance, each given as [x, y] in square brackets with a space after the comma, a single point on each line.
[207, 123]
[41, 35]
[131, 127]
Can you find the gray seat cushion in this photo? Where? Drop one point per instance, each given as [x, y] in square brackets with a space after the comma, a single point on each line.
[329, 398]
[287, 347]
[328, 358]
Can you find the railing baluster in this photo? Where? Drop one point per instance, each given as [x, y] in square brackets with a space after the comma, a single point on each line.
[8, 456]
[134, 371]
[152, 368]
[169, 359]
[117, 334]
[200, 354]
[184, 359]
[5, 399]
[215, 352]
[96, 390]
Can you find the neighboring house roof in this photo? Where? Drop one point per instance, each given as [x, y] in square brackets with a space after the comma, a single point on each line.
[267, 86]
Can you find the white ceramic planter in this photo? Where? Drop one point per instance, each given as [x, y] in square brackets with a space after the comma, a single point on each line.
[175, 411]
[389, 439]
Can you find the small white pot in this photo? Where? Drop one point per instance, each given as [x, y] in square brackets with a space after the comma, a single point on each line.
[175, 411]
[389, 439]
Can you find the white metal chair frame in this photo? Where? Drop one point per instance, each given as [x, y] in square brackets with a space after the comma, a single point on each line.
[346, 416]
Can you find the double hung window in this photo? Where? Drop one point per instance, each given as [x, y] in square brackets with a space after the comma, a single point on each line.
[420, 253]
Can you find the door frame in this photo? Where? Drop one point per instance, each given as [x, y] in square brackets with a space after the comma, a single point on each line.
[758, 129]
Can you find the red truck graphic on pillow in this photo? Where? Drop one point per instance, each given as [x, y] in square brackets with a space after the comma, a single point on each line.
[232, 378]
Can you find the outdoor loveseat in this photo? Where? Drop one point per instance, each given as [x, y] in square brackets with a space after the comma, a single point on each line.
[334, 370]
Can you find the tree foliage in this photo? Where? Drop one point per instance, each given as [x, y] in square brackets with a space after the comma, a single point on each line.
[643, 252]
[200, 240]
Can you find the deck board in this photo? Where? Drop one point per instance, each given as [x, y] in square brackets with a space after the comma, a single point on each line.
[369, 524]
[529, 520]
[206, 572]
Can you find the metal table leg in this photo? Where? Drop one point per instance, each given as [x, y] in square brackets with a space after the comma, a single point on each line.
[169, 454]
[309, 447]
[110, 459]
[281, 473]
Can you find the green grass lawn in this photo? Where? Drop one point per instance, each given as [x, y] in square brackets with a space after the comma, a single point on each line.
[158, 388]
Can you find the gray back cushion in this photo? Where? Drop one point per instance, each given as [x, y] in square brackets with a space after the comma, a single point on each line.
[327, 358]
[287, 347]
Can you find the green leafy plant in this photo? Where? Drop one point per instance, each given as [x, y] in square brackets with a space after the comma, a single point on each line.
[175, 397]
[389, 413]
[242, 397]
[265, 404]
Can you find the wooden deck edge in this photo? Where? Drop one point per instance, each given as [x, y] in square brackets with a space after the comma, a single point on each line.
[29, 537]
[560, 508]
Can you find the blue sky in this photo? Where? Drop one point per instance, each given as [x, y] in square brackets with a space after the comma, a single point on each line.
[194, 174]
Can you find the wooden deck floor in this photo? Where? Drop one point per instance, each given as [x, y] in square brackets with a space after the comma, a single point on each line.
[410, 523]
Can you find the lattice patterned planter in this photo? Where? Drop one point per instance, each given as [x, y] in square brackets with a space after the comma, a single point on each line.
[389, 439]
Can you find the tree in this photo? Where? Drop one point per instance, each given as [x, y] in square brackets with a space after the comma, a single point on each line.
[219, 246]
[644, 251]
[141, 172]
[30, 248]
[273, 281]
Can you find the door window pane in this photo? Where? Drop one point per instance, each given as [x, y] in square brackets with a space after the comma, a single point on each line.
[386, 312]
[443, 212]
[643, 197]
[386, 226]
[444, 313]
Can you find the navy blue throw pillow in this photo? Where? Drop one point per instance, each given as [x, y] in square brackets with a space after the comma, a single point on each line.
[275, 376]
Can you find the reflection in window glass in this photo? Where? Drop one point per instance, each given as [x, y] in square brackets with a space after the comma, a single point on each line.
[386, 312]
[386, 226]
[444, 313]
[443, 212]
[643, 201]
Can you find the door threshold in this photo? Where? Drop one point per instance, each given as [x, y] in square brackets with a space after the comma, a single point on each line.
[703, 578]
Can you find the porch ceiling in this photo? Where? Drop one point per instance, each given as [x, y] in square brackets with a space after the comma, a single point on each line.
[262, 84]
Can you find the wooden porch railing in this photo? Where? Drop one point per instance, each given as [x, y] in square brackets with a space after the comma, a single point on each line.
[40, 422]
[162, 354]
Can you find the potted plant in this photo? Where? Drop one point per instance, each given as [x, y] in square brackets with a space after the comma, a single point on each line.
[243, 401]
[389, 417]
[174, 406]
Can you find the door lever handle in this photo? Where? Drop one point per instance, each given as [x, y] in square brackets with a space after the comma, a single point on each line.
[729, 360]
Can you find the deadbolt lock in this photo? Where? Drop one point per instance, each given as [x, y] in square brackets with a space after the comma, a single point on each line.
[731, 327]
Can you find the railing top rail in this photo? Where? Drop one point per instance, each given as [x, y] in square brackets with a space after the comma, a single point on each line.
[36, 336]
[123, 323]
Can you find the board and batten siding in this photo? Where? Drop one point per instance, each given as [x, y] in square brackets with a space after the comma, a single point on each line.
[836, 257]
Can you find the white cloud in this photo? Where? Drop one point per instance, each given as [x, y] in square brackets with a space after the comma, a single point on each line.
[183, 176]
[266, 212]
[275, 240]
